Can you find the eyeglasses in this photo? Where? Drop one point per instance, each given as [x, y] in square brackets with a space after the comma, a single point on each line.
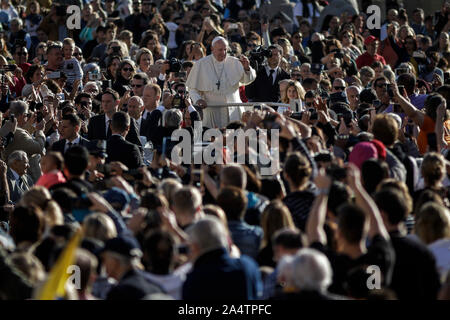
[339, 88]
[127, 69]
[298, 37]
[76, 54]
[382, 85]
[136, 85]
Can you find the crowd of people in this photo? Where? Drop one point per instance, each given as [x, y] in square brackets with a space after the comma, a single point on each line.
[357, 206]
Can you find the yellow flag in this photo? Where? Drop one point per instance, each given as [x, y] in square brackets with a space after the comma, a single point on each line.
[54, 287]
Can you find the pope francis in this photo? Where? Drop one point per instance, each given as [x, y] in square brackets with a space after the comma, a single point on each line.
[215, 80]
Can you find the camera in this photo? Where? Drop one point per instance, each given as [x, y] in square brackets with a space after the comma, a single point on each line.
[39, 117]
[257, 55]
[175, 65]
[390, 91]
[338, 54]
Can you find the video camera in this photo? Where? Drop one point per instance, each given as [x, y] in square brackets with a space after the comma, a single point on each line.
[175, 65]
[257, 56]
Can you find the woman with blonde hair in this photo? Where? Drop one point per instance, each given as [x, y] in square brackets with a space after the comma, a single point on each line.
[99, 227]
[40, 197]
[433, 170]
[276, 216]
[144, 59]
[433, 228]
[294, 95]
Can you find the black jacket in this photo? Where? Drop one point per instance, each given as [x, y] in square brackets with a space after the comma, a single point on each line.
[121, 85]
[97, 130]
[61, 144]
[132, 286]
[118, 149]
[262, 89]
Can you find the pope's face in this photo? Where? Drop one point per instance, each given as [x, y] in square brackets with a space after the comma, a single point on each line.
[219, 50]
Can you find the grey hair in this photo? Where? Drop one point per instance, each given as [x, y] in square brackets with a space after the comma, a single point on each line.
[285, 270]
[219, 38]
[19, 21]
[173, 118]
[358, 89]
[18, 108]
[311, 270]
[92, 82]
[139, 100]
[90, 67]
[367, 70]
[17, 155]
[208, 234]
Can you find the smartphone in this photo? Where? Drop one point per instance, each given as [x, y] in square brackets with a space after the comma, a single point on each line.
[197, 178]
[409, 128]
[164, 147]
[39, 117]
[233, 26]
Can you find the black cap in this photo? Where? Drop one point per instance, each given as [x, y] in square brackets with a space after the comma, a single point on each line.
[126, 246]
[97, 148]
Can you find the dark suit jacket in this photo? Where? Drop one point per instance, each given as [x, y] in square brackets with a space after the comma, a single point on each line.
[97, 130]
[262, 89]
[16, 192]
[118, 149]
[152, 127]
[232, 279]
[132, 286]
[61, 144]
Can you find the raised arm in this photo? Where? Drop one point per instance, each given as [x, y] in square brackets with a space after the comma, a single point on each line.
[317, 215]
[365, 202]
[412, 112]
[439, 128]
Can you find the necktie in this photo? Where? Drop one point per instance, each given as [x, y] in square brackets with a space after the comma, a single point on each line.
[108, 132]
[271, 75]
[21, 184]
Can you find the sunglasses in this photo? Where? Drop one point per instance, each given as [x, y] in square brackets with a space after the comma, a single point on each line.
[309, 104]
[339, 88]
[298, 37]
[136, 85]
[296, 75]
[382, 85]
[127, 69]
[76, 54]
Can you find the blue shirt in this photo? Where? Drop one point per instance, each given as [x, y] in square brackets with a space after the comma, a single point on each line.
[246, 237]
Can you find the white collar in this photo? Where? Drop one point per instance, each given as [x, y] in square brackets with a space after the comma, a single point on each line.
[74, 141]
[215, 61]
[269, 68]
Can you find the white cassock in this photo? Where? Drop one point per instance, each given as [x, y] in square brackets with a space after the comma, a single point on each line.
[218, 83]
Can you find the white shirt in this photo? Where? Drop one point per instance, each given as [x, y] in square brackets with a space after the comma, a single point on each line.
[107, 124]
[139, 121]
[274, 75]
[74, 142]
[441, 251]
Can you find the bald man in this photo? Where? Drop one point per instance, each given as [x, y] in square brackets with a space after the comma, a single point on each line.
[215, 80]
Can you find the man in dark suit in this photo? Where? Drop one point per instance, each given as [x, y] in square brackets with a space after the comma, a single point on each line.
[265, 87]
[99, 126]
[120, 256]
[117, 148]
[233, 279]
[70, 134]
[19, 181]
